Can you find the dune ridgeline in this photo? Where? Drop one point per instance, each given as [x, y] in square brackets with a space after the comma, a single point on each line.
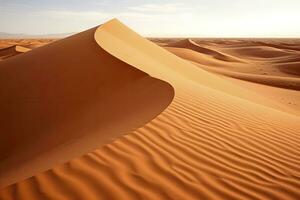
[108, 114]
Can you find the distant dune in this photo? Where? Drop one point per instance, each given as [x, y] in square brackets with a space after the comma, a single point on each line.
[190, 44]
[28, 43]
[12, 51]
[150, 122]
[26, 36]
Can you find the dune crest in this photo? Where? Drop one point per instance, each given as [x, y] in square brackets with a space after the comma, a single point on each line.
[68, 98]
[12, 51]
[189, 43]
[272, 70]
[161, 63]
[215, 140]
[258, 52]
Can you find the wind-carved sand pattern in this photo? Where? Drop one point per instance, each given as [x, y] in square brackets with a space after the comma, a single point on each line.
[66, 99]
[216, 140]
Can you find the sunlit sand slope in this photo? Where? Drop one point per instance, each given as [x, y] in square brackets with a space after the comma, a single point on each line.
[66, 99]
[266, 67]
[214, 141]
[190, 44]
[12, 51]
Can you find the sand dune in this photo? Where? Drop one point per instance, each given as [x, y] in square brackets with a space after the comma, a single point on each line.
[177, 157]
[280, 72]
[288, 98]
[257, 52]
[295, 47]
[247, 71]
[12, 51]
[28, 43]
[290, 68]
[189, 43]
[276, 81]
[200, 58]
[56, 109]
[286, 66]
[216, 139]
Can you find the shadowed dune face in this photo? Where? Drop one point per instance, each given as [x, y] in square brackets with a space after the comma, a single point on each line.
[67, 98]
[12, 51]
[292, 68]
[166, 64]
[218, 139]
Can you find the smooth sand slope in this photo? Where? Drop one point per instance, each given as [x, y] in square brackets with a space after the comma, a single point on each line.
[215, 140]
[66, 99]
[268, 68]
[190, 44]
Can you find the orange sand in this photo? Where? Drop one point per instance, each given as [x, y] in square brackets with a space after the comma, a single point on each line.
[12, 51]
[66, 99]
[217, 139]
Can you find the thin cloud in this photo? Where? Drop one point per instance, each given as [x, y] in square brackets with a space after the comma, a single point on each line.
[168, 7]
[75, 14]
[91, 15]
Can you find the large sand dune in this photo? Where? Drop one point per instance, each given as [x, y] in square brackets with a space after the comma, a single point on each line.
[216, 139]
[66, 99]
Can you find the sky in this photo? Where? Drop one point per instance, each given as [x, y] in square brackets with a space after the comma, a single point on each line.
[156, 18]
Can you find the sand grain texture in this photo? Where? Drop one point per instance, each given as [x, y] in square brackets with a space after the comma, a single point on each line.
[216, 140]
[66, 99]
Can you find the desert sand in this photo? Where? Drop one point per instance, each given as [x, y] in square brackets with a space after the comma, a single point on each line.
[108, 114]
[28, 43]
[12, 51]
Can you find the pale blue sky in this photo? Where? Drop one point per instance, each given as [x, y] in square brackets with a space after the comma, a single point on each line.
[164, 18]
